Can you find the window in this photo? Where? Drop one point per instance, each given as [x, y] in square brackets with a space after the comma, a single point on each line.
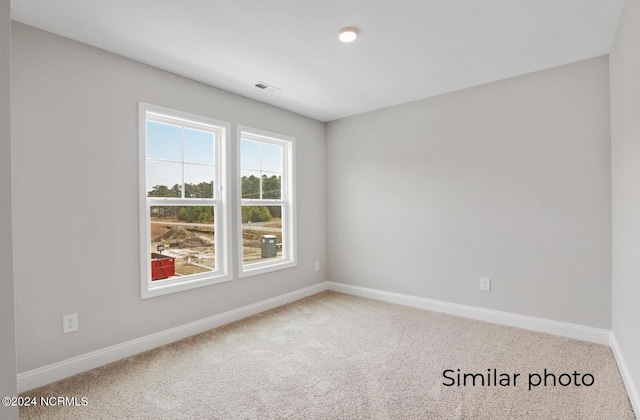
[183, 207]
[267, 205]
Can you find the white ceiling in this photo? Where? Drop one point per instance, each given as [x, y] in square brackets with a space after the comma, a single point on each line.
[407, 49]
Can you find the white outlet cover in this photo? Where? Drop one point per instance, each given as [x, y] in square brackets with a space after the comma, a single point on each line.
[69, 323]
[485, 284]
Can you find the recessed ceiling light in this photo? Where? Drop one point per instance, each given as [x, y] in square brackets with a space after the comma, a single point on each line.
[348, 34]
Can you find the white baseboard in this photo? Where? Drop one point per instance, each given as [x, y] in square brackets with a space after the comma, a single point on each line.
[632, 390]
[580, 332]
[60, 370]
[45, 375]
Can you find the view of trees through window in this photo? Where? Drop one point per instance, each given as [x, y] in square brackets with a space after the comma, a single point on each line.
[185, 202]
[201, 190]
[262, 171]
[181, 170]
[271, 187]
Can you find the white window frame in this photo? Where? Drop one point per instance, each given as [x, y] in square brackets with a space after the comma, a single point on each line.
[221, 199]
[287, 201]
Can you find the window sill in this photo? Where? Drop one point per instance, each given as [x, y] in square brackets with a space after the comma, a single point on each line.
[263, 268]
[158, 288]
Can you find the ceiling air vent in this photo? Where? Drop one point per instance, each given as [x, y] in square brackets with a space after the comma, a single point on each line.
[267, 87]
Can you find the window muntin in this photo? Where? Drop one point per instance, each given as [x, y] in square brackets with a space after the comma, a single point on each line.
[267, 206]
[180, 159]
[183, 207]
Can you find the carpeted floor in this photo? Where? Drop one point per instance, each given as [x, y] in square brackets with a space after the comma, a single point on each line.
[335, 356]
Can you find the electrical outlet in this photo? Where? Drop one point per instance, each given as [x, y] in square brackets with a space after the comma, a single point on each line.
[69, 323]
[317, 265]
[485, 284]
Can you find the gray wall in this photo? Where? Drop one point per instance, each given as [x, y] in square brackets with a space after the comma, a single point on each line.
[76, 205]
[7, 324]
[625, 156]
[509, 180]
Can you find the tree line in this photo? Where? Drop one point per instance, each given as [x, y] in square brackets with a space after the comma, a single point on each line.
[201, 190]
[271, 189]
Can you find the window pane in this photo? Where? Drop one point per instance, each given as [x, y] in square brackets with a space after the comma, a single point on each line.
[271, 186]
[164, 179]
[251, 184]
[198, 181]
[271, 158]
[250, 155]
[261, 234]
[182, 240]
[164, 141]
[198, 146]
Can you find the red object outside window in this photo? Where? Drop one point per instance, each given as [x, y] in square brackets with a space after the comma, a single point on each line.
[162, 266]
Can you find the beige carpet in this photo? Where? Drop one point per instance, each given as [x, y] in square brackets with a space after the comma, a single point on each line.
[334, 356]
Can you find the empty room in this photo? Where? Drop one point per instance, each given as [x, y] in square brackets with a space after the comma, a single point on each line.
[329, 209]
